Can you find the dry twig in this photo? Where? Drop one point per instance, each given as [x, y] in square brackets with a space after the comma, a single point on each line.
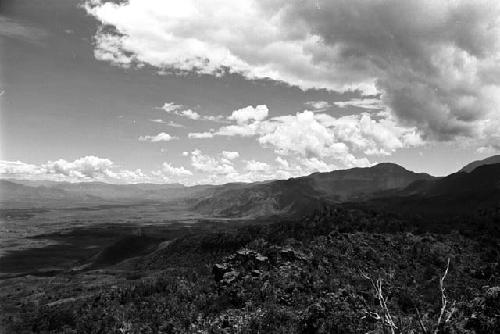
[386, 314]
[444, 302]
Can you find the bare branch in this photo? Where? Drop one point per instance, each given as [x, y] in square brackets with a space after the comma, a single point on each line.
[444, 301]
[421, 322]
[386, 314]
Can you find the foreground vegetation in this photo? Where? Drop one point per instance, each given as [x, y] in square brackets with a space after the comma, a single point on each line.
[338, 271]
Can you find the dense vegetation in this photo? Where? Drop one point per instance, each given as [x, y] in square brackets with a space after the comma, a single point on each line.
[338, 271]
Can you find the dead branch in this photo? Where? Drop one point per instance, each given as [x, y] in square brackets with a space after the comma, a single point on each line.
[421, 322]
[386, 314]
[444, 302]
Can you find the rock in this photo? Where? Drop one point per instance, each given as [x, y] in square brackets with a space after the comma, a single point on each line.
[289, 254]
[219, 270]
[230, 277]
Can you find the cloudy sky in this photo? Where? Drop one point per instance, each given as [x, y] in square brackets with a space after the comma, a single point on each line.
[217, 91]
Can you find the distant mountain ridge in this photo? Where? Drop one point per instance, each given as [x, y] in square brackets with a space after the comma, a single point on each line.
[385, 184]
[50, 193]
[456, 194]
[495, 159]
[299, 195]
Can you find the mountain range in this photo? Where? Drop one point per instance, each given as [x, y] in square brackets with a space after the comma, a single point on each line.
[386, 185]
[495, 159]
[296, 195]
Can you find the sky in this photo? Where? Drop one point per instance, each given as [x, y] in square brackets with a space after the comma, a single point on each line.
[192, 91]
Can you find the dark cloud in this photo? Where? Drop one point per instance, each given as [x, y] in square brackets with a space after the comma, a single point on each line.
[431, 59]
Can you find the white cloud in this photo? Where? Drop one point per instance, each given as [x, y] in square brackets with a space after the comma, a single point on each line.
[247, 36]
[216, 118]
[250, 113]
[230, 155]
[182, 111]
[168, 123]
[257, 166]
[317, 135]
[211, 165]
[162, 136]
[243, 130]
[490, 150]
[364, 103]
[200, 135]
[188, 113]
[85, 167]
[282, 163]
[302, 134]
[435, 63]
[316, 165]
[88, 168]
[168, 171]
[171, 107]
[247, 121]
[371, 136]
[318, 105]
[16, 169]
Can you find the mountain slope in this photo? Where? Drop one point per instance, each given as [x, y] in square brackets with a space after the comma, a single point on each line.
[458, 193]
[301, 195]
[495, 159]
[362, 183]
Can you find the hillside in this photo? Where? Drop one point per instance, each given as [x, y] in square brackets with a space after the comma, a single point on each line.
[457, 194]
[495, 159]
[298, 196]
[309, 276]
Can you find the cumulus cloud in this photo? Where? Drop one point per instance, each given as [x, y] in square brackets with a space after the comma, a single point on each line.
[211, 165]
[250, 113]
[88, 168]
[162, 136]
[175, 171]
[170, 107]
[316, 135]
[230, 155]
[257, 166]
[85, 167]
[247, 121]
[188, 113]
[169, 173]
[182, 111]
[435, 63]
